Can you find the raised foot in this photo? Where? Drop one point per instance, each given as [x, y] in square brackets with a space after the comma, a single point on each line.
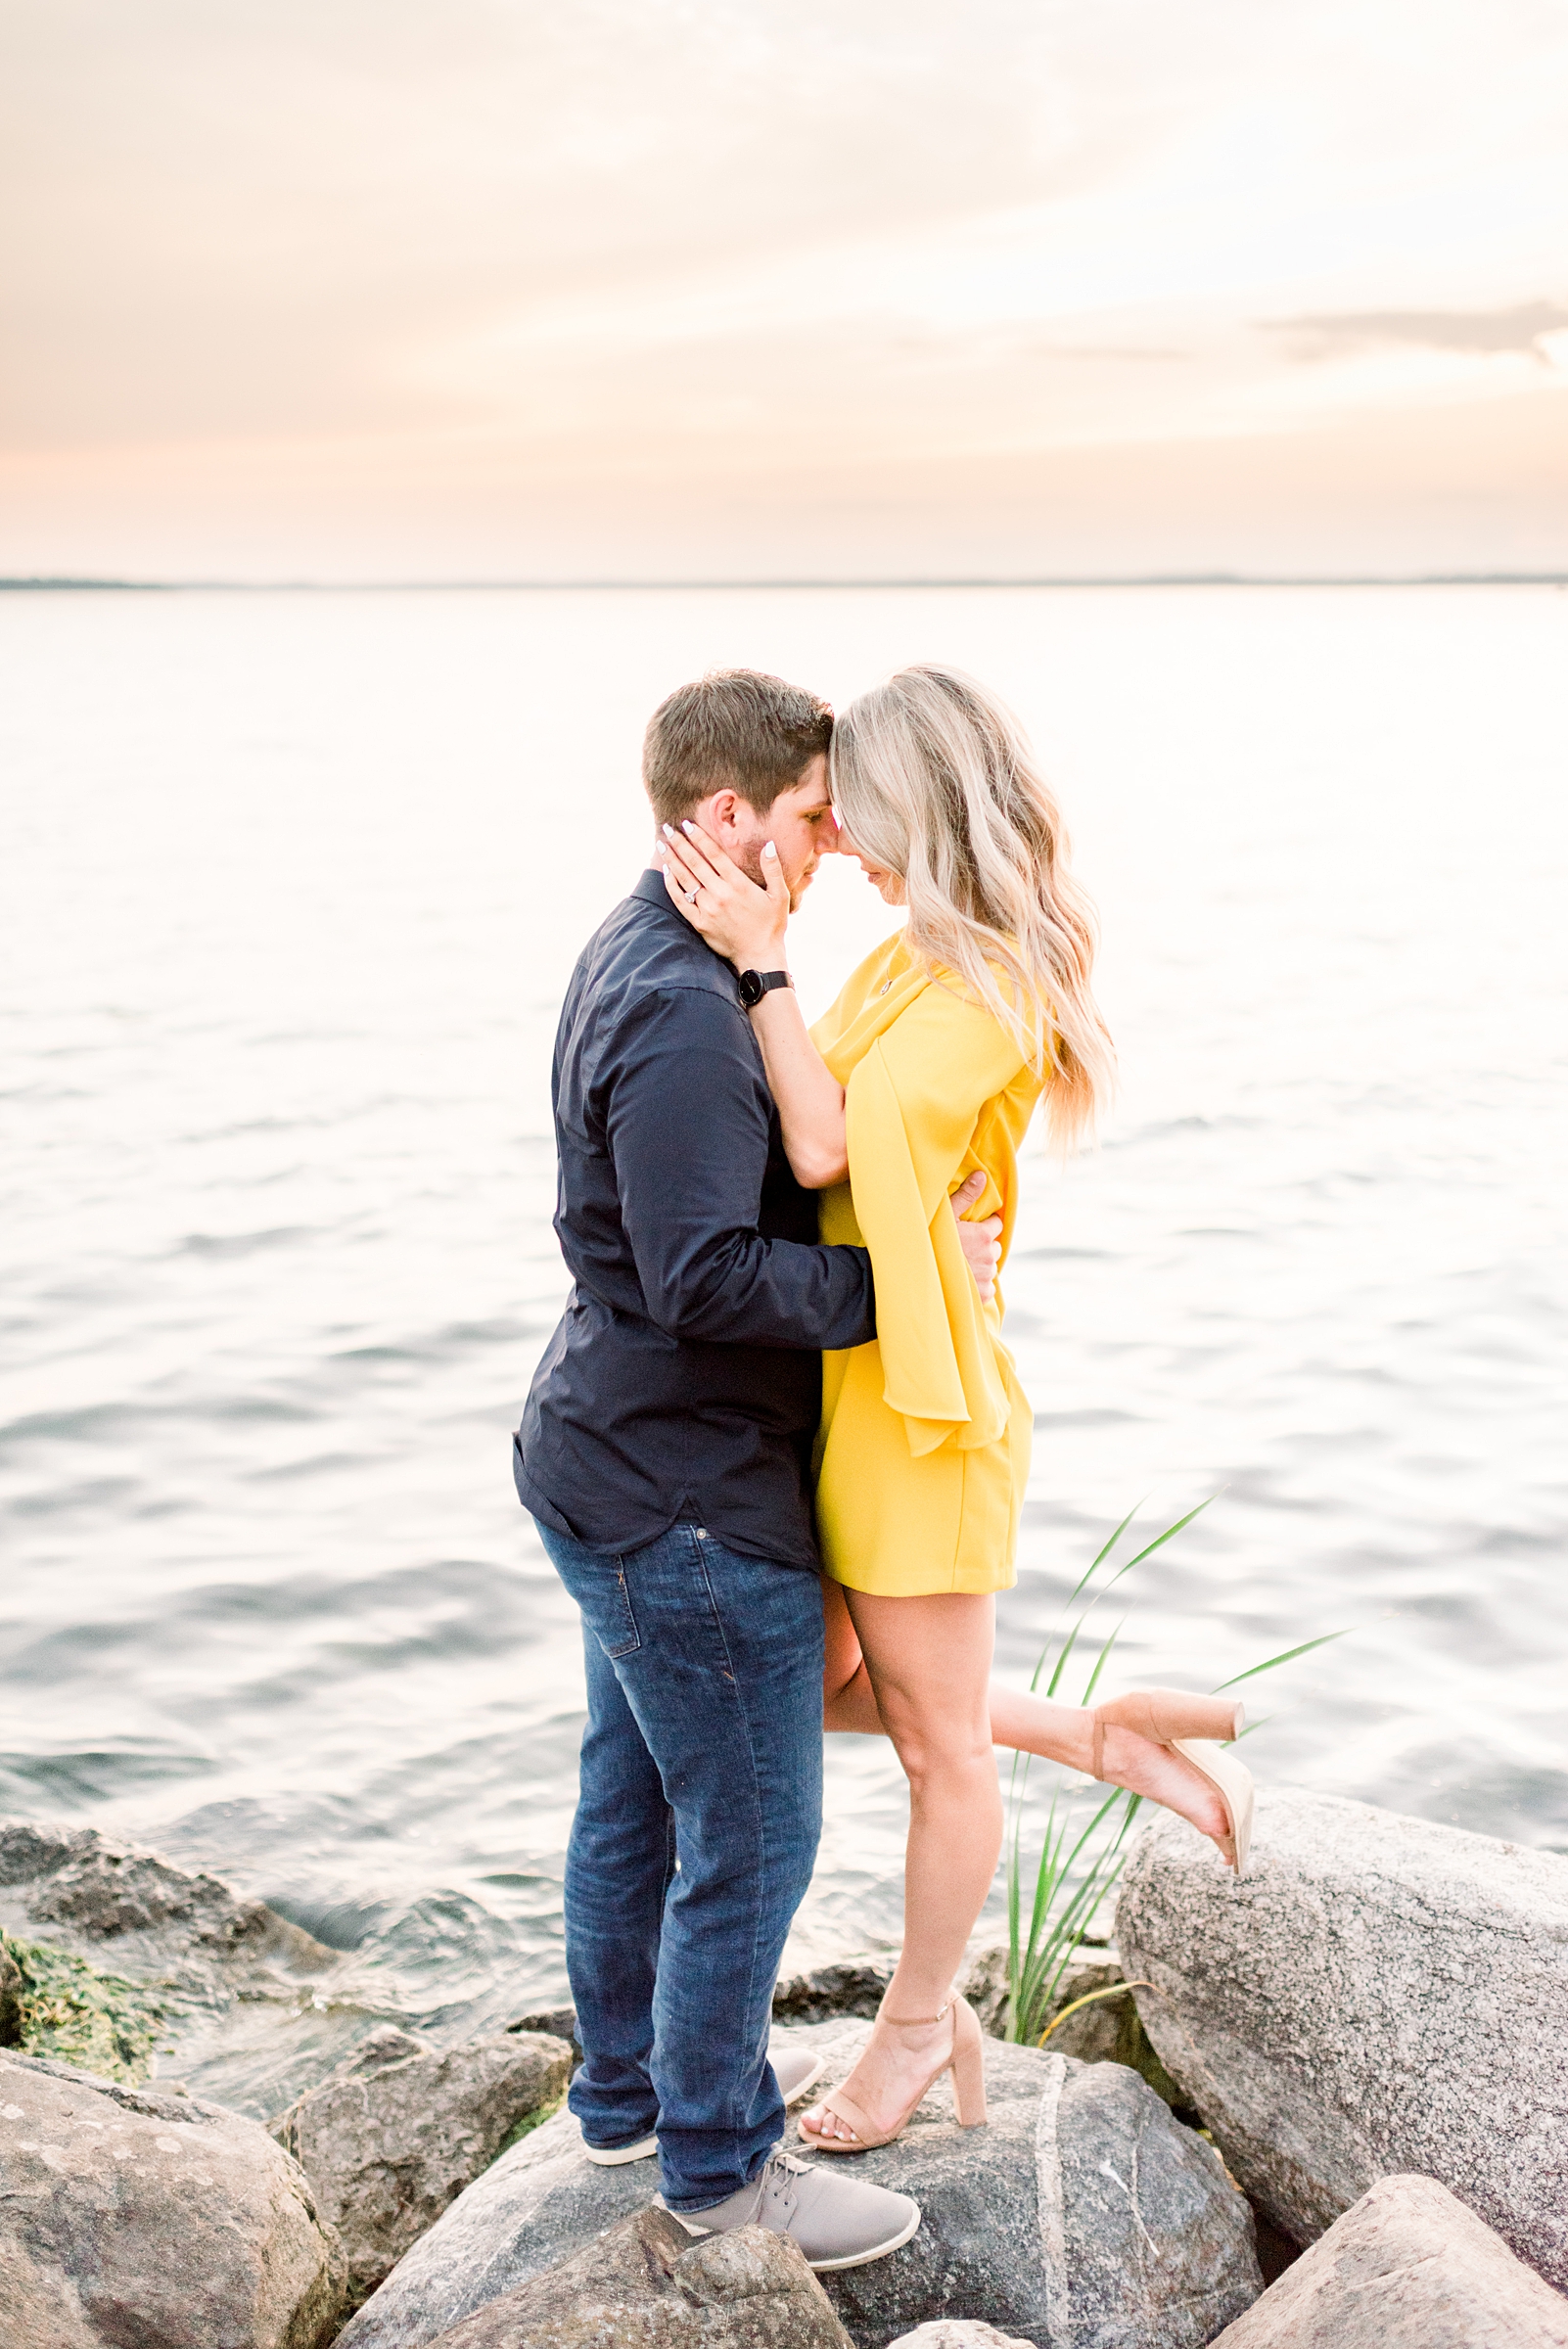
[1165, 1778]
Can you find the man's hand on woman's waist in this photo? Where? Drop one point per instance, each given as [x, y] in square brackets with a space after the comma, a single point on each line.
[980, 1242]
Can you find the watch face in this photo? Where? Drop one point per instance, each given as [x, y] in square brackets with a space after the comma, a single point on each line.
[751, 988]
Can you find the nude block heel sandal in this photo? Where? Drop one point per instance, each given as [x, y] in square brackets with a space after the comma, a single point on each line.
[965, 2059]
[1189, 1725]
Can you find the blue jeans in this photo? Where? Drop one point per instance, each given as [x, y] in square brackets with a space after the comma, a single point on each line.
[698, 1818]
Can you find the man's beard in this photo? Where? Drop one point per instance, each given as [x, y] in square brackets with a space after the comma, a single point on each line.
[751, 864]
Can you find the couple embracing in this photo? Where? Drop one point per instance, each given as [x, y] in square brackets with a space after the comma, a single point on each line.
[775, 1449]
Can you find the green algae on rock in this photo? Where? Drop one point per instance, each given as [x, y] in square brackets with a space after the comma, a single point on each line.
[64, 2009]
[243, 2018]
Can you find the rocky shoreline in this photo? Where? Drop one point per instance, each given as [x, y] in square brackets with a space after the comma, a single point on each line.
[1331, 2108]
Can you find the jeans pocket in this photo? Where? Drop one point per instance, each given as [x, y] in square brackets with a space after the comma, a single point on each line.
[618, 1634]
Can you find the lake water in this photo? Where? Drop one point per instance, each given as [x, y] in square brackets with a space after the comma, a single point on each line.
[292, 885]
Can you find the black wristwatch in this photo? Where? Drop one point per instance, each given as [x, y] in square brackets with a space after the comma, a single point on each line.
[755, 984]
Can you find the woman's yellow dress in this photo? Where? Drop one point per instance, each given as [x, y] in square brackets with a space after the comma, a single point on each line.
[923, 1453]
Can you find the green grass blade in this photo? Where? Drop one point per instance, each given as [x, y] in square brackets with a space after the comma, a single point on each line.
[1055, 1681]
[1090, 1998]
[1170, 1534]
[1068, 1939]
[1289, 1657]
[1104, 1658]
[1047, 1877]
[1112, 1799]
[1106, 1551]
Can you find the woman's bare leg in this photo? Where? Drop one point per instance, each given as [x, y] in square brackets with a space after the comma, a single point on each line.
[1030, 1725]
[925, 1664]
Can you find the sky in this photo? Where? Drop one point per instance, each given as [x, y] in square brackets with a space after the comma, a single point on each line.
[822, 289]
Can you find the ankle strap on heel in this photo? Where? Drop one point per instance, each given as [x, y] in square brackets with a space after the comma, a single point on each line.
[914, 2022]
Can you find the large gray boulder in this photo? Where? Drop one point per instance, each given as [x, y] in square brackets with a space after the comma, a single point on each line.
[398, 2130]
[644, 2285]
[1081, 2217]
[539, 2204]
[1376, 1995]
[132, 2216]
[1407, 2268]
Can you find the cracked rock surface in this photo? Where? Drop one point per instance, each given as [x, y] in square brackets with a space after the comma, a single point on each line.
[1408, 2268]
[646, 2285]
[134, 2217]
[959, 2333]
[399, 2129]
[252, 2008]
[1083, 2216]
[1377, 1995]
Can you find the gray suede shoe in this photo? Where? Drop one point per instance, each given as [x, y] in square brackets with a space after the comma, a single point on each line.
[838, 2222]
[796, 2069]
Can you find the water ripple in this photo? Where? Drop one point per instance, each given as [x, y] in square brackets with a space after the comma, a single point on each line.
[277, 1261]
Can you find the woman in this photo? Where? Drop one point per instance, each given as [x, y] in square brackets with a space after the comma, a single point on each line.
[919, 1083]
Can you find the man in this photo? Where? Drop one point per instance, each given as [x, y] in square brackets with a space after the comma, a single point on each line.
[663, 1455]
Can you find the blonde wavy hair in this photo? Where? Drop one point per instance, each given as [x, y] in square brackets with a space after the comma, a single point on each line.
[934, 777]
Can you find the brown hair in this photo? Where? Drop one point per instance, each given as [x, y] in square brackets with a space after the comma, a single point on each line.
[734, 730]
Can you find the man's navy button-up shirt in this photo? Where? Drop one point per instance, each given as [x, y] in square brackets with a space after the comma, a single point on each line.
[685, 1380]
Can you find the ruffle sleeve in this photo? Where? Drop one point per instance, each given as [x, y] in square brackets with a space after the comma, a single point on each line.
[912, 1105]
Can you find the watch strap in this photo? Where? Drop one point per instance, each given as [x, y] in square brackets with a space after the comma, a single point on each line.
[755, 984]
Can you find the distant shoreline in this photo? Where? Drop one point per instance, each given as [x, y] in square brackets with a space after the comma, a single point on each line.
[1179, 578]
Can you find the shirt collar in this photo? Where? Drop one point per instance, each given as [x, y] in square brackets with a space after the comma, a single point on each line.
[649, 890]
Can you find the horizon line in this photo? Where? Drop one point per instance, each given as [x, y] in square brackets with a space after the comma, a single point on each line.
[68, 585]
